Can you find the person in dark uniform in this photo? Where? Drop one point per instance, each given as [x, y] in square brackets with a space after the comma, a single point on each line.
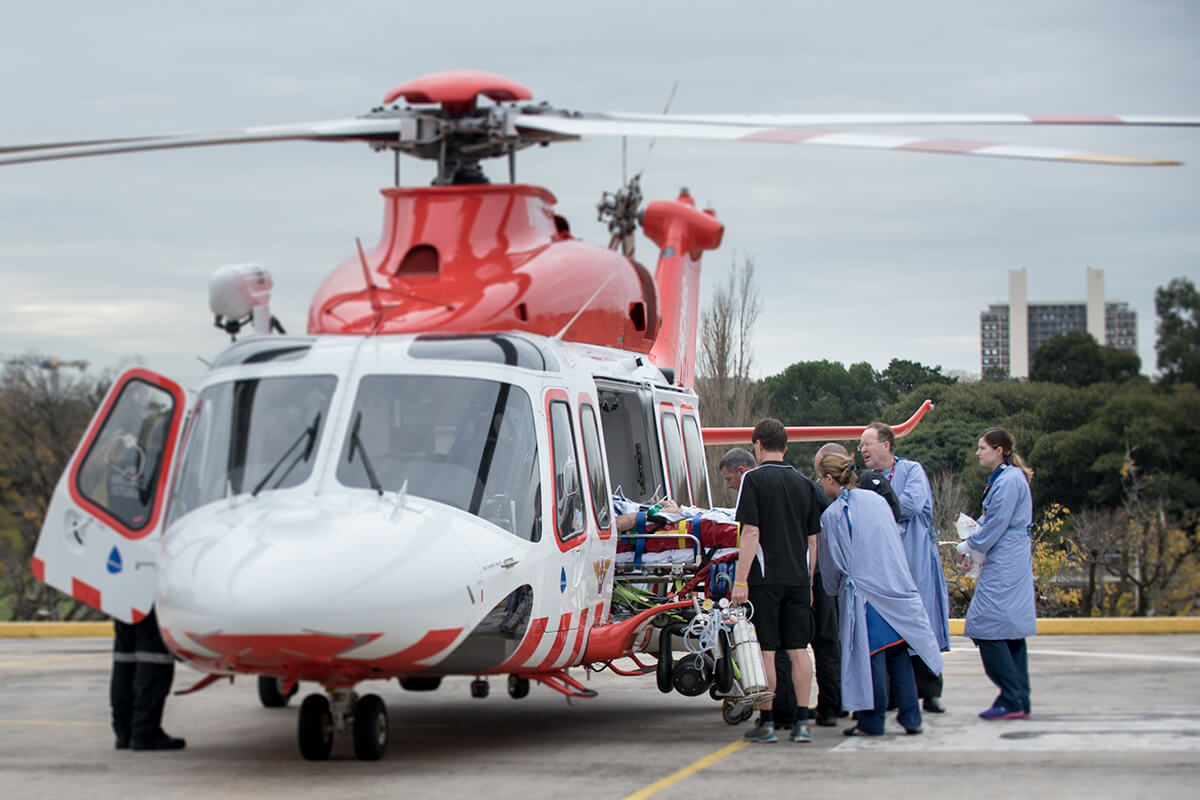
[143, 668]
[779, 510]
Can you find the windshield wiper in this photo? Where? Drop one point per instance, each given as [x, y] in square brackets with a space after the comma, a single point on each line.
[356, 444]
[311, 433]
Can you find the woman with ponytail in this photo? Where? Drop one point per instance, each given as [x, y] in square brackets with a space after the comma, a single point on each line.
[1002, 612]
[881, 614]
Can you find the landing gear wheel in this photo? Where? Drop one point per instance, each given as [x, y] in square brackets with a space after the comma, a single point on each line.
[315, 728]
[734, 713]
[517, 687]
[370, 728]
[271, 694]
[479, 688]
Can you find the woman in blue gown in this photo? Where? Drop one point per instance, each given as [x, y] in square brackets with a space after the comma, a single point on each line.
[881, 614]
[1002, 611]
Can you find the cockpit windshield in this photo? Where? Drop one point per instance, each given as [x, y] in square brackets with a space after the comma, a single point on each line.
[251, 436]
[466, 442]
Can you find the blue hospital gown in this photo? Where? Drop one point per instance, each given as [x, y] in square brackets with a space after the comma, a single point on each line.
[861, 561]
[1003, 604]
[911, 486]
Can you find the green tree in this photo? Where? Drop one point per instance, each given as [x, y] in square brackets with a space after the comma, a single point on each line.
[42, 417]
[1178, 346]
[903, 376]
[1076, 359]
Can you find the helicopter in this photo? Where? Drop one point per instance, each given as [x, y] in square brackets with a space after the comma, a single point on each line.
[422, 484]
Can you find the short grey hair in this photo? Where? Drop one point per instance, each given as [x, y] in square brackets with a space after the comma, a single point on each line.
[737, 457]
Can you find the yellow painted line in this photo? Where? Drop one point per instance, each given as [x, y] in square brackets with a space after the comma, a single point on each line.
[54, 630]
[1093, 626]
[31, 661]
[692, 769]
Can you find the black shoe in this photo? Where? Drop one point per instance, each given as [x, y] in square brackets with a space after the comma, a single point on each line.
[122, 742]
[826, 722]
[159, 741]
[934, 705]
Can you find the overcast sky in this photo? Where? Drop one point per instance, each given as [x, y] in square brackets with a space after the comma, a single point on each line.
[860, 255]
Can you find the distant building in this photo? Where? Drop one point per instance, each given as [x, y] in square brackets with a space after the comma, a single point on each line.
[1008, 334]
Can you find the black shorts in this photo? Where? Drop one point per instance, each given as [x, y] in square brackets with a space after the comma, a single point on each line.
[782, 616]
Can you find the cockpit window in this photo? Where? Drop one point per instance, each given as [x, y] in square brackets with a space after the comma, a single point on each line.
[465, 442]
[250, 436]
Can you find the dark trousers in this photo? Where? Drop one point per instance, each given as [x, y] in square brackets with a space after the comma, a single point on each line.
[1006, 663]
[929, 683]
[827, 651]
[142, 672]
[892, 666]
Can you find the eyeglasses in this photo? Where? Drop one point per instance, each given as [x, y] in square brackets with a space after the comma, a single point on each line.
[862, 446]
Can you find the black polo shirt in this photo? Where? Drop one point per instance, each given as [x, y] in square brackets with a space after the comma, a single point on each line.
[785, 506]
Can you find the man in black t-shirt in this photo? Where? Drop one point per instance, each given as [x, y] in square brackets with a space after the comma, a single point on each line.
[779, 509]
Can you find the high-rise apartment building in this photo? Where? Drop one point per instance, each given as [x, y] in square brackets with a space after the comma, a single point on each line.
[1008, 334]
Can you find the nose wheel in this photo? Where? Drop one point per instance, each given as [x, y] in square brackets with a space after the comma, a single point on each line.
[322, 717]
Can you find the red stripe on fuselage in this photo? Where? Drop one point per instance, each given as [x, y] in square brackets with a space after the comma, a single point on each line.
[580, 638]
[430, 645]
[88, 595]
[560, 641]
[528, 645]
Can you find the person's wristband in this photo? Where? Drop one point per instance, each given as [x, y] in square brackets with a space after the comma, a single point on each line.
[741, 583]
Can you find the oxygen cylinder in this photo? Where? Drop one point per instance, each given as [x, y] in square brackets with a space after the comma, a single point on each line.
[748, 655]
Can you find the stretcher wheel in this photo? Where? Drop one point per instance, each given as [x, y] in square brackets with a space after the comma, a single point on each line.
[734, 713]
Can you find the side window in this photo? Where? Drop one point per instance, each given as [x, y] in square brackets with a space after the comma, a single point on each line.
[568, 490]
[695, 459]
[597, 481]
[120, 471]
[676, 471]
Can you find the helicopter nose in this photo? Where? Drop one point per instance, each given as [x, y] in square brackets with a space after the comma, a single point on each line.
[280, 568]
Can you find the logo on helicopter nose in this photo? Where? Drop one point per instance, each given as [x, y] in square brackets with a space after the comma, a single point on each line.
[114, 562]
[562, 581]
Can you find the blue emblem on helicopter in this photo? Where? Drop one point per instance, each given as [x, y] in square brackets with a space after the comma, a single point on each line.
[562, 581]
[114, 561]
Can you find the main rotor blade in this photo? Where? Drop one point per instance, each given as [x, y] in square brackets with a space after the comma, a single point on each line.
[658, 126]
[330, 130]
[909, 118]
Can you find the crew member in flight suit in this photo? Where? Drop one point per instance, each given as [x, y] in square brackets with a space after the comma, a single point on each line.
[143, 668]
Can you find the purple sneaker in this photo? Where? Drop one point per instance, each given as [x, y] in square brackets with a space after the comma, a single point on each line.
[1000, 712]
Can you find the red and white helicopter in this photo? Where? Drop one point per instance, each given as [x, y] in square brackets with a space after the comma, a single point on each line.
[421, 485]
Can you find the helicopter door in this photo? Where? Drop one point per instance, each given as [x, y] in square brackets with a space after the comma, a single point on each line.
[101, 535]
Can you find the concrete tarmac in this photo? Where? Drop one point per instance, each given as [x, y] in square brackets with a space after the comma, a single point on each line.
[1113, 716]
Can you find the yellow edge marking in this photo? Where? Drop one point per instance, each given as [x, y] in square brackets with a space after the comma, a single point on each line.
[54, 630]
[693, 768]
[7, 664]
[1091, 626]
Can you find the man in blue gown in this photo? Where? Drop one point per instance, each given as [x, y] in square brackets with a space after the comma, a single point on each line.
[911, 485]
